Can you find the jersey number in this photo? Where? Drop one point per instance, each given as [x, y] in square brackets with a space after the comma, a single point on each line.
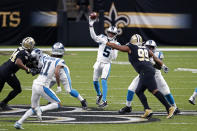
[13, 56]
[143, 55]
[45, 68]
[106, 52]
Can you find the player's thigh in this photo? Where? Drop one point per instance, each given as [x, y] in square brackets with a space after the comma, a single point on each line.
[66, 79]
[14, 83]
[50, 95]
[35, 97]
[134, 84]
[106, 71]
[97, 71]
[2, 83]
[162, 85]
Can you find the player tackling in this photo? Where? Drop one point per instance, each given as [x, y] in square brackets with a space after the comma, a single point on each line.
[105, 56]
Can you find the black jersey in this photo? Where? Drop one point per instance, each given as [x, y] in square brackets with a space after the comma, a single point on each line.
[9, 66]
[139, 58]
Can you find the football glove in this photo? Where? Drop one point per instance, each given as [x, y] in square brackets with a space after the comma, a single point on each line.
[91, 22]
[33, 71]
[59, 89]
[165, 68]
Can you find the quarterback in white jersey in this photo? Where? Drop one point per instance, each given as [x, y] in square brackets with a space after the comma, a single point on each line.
[102, 65]
[160, 81]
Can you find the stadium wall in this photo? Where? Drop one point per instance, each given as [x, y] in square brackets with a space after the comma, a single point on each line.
[167, 22]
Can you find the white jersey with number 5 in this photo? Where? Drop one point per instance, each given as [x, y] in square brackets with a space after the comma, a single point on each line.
[48, 70]
[105, 53]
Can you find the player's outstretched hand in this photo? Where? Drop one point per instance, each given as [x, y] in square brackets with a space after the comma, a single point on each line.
[165, 68]
[59, 89]
[91, 21]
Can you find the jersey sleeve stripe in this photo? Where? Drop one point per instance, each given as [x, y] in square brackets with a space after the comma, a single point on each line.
[57, 62]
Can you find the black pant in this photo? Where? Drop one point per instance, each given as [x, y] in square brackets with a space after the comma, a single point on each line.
[12, 81]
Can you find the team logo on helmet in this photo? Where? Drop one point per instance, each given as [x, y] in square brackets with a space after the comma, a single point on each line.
[28, 43]
[136, 39]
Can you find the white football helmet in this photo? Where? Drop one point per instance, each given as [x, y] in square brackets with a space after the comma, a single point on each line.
[58, 49]
[113, 30]
[151, 43]
[28, 43]
[136, 39]
[36, 54]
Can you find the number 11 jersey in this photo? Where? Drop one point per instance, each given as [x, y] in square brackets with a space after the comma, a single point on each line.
[48, 70]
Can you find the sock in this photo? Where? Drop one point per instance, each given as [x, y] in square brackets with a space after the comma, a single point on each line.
[170, 99]
[143, 100]
[195, 93]
[161, 98]
[130, 95]
[80, 98]
[50, 107]
[104, 85]
[27, 114]
[74, 93]
[97, 87]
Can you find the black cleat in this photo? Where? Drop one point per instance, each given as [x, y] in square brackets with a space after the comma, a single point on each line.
[98, 99]
[177, 111]
[124, 110]
[4, 107]
[84, 104]
[103, 105]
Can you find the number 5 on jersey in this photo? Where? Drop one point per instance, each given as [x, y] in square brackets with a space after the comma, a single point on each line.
[143, 55]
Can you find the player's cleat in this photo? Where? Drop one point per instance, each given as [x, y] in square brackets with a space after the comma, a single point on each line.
[4, 107]
[39, 113]
[98, 99]
[171, 112]
[103, 105]
[18, 126]
[124, 110]
[192, 100]
[148, 113]
[177, 111]
[84, 104]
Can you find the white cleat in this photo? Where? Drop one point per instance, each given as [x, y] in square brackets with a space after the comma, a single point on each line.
[18, 126]
[192, 100]
[39, 113]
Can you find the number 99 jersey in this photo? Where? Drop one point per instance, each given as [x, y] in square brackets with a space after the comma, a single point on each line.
[48, 70]
[139, 58]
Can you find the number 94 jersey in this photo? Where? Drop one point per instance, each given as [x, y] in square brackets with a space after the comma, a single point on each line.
[48, 70]
[105, 53]
[140, 59]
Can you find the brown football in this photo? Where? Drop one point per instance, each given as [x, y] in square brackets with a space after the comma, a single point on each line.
[93, 15]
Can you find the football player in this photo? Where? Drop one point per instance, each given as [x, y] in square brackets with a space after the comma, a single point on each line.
[102, 65]
[51, 67]
[18, 60]
[193, 97]
[160, 81]
[139, 58]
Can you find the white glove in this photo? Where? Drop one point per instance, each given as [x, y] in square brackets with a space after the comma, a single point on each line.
[59, 89]
[165, 68]
[91, 22]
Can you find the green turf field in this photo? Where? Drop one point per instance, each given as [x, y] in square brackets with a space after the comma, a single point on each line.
[182, 85]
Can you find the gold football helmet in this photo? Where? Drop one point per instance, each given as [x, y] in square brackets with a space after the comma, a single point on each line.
[136, 39]
[28, 43]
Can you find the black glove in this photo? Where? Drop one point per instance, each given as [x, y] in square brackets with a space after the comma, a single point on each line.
[33, 71]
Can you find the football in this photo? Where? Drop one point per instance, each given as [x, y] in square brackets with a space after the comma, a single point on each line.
[93, 15]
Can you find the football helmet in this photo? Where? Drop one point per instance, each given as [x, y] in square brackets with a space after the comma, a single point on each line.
[36, 54]
[28, 43]
[58, 49]
[113, 30]
[151, 44]
[136, 39]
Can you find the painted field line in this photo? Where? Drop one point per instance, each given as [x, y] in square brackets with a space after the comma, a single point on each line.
[96, 49]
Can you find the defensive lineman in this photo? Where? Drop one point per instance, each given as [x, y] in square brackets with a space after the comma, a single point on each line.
[160, 81]
[139, 58]
[50, 66]
[105, 56]
[18, 60]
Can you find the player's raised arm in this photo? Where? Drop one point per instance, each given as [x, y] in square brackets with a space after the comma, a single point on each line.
[92, 19]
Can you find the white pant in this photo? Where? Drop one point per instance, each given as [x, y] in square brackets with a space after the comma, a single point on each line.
[41, 91]
[101, 70]
[161, 83]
